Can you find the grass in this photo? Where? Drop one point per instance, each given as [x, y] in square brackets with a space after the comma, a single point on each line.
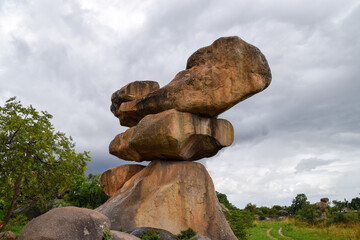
[14, 228]
[294, 230]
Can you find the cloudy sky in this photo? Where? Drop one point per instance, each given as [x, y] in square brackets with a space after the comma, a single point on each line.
[300, 135]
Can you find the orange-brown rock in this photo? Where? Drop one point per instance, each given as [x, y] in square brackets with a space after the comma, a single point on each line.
[173, 135]
[113, 179]
[172, 196]
[132, 91]
[216, 78]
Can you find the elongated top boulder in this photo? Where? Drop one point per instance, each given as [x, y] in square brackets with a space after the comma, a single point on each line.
[216, 78]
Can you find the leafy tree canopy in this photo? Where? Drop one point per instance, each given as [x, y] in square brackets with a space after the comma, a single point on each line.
[35, 161]
[298, 203]
[87, 192]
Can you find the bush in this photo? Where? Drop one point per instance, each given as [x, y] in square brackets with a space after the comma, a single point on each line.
[87, 192]
[106, 235]
[342, 217]
[309, 213]
[186, 235]
[150, 235]
[239, 220]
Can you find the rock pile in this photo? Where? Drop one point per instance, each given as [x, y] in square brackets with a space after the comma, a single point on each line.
[172, 126]
[322, 206]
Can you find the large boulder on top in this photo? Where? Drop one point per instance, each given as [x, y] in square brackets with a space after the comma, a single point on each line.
[172, 196]
[173, 135]
[66, 223]
[216, 78]
[113, 179]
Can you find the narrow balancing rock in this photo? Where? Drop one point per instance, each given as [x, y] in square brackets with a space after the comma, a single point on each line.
[172, 127]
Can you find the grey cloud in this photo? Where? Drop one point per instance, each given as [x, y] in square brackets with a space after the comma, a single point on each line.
[22, 49]
[74, 62]
[311, 164]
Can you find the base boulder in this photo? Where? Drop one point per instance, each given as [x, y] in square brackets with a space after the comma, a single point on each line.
[171, 195]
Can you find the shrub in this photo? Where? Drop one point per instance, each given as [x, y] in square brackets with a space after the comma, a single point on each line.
[87, 192]
[309, 213]
[150, 235]
[342, 217]
[186, 235]
[106, 235]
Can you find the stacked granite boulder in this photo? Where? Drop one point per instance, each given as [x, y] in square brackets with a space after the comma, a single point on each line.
[173, 126]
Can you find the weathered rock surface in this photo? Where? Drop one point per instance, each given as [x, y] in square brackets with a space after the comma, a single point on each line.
[216, 78]
[173, 135]
[113, 179]
[132, 91]
[200, 237]
[7, 235]
[172, 196]
[325, 200]
[66, 223]
[116, 235]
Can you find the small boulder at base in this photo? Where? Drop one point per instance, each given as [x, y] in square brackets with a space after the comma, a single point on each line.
[171, 195]
[113, 179]
[116, 235]
[66, 223]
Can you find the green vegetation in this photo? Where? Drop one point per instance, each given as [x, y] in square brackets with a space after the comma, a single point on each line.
[36, 163]
[298, 203]
[292, 229]
[186, 234]
[87, 192]
[239, 220]
[106, 235]
[304, 221]
[150, 235]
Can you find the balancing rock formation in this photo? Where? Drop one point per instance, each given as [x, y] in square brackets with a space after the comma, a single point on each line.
[173, 126]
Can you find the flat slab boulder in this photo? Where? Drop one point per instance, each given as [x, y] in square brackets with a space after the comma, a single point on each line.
[113, 179]
[216, 78]
[173, 135]
[66, 223]
[171, 195]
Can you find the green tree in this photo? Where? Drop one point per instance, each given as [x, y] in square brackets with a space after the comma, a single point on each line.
[298, 203]
[340, 206]
[238, 220]
[87, 192]
[35, 161]
[355, 203]
[309, 213]
[250, 207]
